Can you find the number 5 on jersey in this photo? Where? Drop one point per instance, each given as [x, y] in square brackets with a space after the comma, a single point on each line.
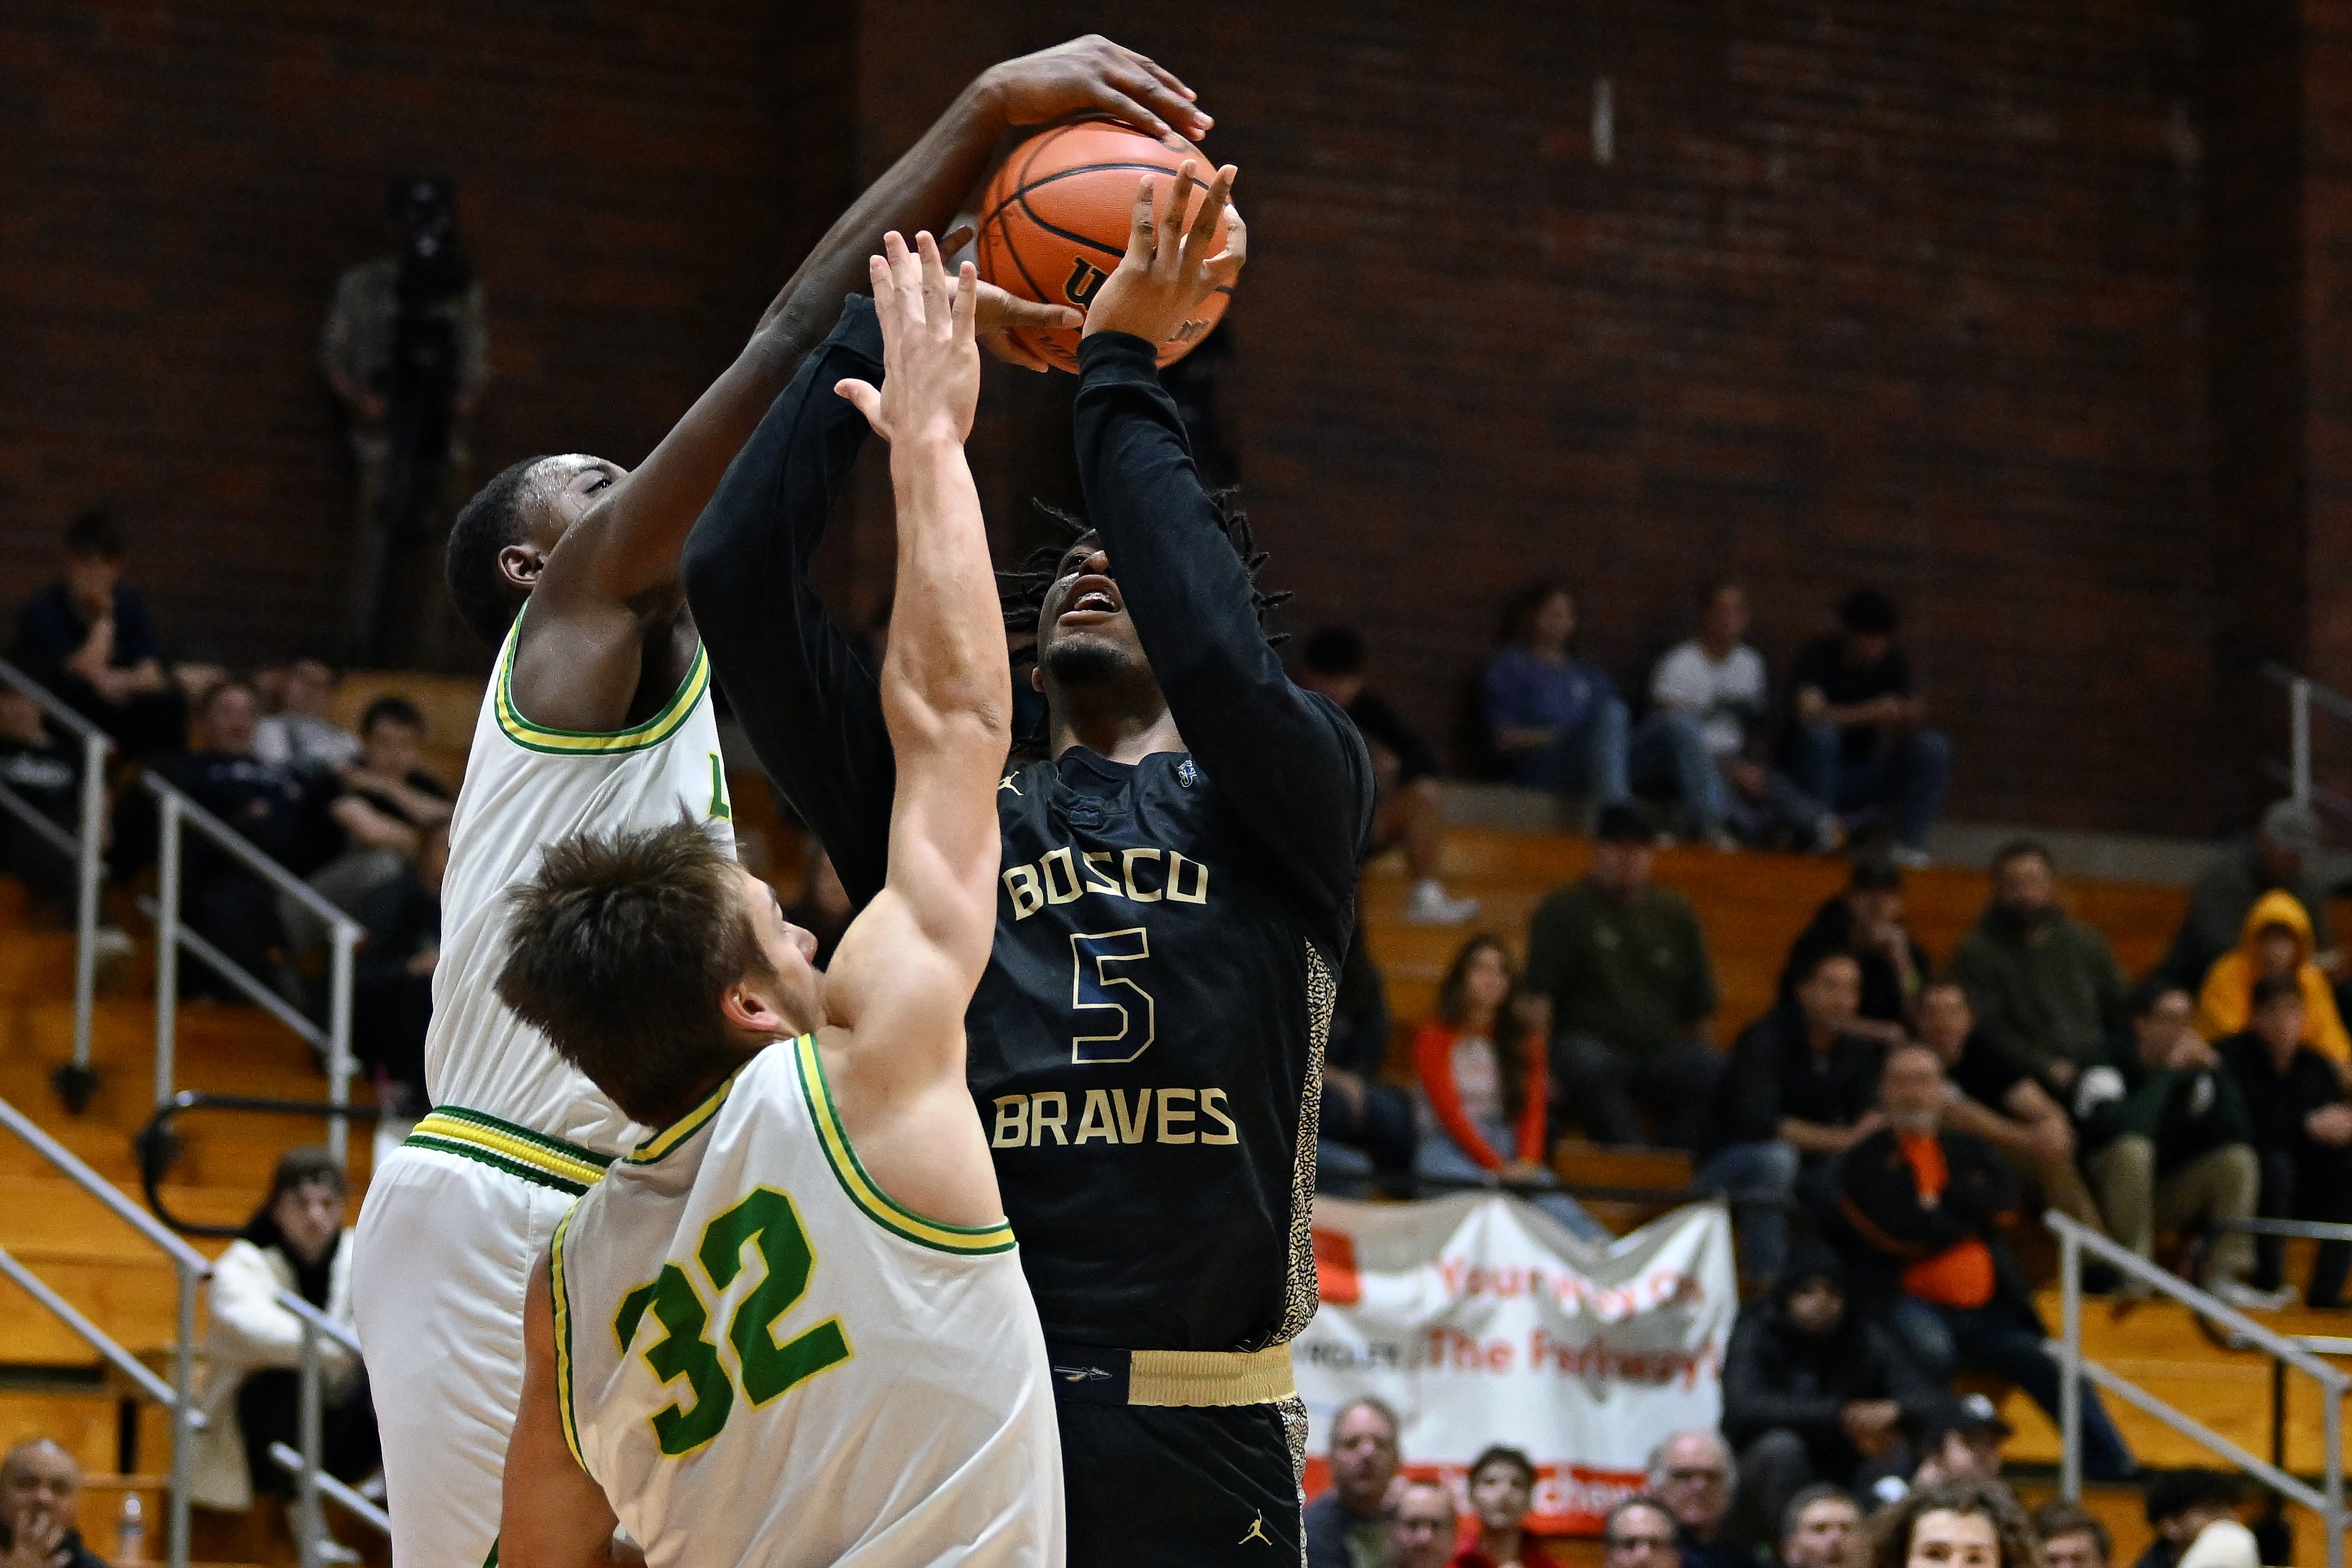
[766, 1218]
[1095, 985]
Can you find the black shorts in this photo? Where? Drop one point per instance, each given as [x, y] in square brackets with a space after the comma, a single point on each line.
[1157, 1486]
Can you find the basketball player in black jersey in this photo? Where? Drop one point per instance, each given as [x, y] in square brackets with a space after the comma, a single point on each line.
[1178, 889]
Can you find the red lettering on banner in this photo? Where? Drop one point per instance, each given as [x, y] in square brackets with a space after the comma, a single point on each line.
[1336, 1279]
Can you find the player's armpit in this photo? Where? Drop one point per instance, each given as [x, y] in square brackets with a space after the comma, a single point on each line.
[553, 1515]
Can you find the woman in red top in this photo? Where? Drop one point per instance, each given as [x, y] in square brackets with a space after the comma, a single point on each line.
[1483, 1089]
[1502, 1485]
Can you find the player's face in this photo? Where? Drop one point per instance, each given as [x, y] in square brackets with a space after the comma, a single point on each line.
[1083, 632]
[791, 952]
[563, 491]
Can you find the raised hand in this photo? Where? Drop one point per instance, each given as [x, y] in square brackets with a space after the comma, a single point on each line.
[1094, 76]
[998, 313]
[931, 359]
[1168, 271]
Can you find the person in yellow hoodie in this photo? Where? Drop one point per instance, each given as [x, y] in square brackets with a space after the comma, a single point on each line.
[2276, 944]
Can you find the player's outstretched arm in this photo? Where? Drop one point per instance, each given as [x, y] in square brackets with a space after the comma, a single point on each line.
[907, 965]
[552, 1514]
[579, 665]
[1293, 765]
[805, 699]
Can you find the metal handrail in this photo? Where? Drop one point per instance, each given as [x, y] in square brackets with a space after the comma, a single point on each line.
[157, 1145]
[311, 1481]
[2302, 694]
[180, 812]
[2073, 1239]
[78, 1081]
[2303, 1230]
[190, 1266]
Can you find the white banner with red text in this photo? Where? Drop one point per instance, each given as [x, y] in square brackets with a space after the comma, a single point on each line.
[1480, 1321]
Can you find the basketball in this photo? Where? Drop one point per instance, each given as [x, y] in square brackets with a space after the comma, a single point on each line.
[1055, 221]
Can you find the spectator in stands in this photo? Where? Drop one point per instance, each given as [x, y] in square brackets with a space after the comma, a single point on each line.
[1971, 1523]
[1857, 741]
[1347, 1527]
[1694, 1474]
[381, 804]
[2276, 858]
[1422, 1535]
[40, 1494]
[2180, 1504]
[1556, 721]
[297, 1242]
[1366, 1136]
[91, 641]
[1632, 993]
[2224, 1543]
[1866, 920]
[1996, 1099]
[1404, 766]
[1502, 1486]
[1963, 1442]
[45, 771]
[301, 733]
[2168, 1145]
[1923, 1206]
[2276, 944]
[2302, 1132]
[1638, 1532]
[1482, 1088]
[1706, 712]
[391, 990]
[1802, 1088]
[2045, 987]
[1814, 1393]
[1821, 1528]
[273, 807]
[2072, 1536]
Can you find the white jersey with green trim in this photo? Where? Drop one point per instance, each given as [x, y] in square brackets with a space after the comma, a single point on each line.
[528, 787]
[762, 1359]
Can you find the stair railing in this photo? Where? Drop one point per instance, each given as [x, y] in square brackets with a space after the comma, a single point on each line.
[76, 1081]
[179, 814]
[2074, 1240]
[311, 1481]
[178, 1395]
[2302, 695]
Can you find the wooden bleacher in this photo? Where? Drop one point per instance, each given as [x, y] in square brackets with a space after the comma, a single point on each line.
[1751, 905]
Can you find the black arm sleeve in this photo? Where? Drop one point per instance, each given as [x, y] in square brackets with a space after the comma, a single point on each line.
[1290, 761]
[799, 687]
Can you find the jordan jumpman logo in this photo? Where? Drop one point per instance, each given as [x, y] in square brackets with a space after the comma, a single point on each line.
[1256, 1532]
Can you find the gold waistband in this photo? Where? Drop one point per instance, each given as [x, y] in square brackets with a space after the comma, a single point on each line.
[1210, 1376]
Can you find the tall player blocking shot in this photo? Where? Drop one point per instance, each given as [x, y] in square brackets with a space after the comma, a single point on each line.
[598, 719]
[789, 1326]
[1176, 888]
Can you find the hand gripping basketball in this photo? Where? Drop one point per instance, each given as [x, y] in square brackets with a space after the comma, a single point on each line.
[930, 361]
[1158, 288]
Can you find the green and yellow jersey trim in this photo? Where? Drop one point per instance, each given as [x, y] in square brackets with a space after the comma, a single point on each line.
[503, 1146]
[562, 1294]
[588, 742]
[660, 1146]
[876, 1204]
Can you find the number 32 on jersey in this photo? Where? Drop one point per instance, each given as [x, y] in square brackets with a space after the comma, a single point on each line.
[767, 1221]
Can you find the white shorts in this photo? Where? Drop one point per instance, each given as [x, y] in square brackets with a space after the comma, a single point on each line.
[453, 1223]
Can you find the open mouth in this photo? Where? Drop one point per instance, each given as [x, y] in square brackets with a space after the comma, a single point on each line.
[1092, 597]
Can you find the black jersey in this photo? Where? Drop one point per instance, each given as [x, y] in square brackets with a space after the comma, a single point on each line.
[1145, 1047]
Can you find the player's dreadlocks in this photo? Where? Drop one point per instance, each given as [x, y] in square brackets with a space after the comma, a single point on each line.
[1021, 590]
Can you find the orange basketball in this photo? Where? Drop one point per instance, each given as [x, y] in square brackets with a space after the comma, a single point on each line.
[1055, 221]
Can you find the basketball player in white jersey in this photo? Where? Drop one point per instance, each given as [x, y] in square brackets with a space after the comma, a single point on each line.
[598, 718]
[789, 1326]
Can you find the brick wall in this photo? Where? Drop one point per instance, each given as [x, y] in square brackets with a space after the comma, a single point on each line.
[184, 180]
[1883, 290]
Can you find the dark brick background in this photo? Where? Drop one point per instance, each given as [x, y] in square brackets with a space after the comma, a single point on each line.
[1980, 300]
